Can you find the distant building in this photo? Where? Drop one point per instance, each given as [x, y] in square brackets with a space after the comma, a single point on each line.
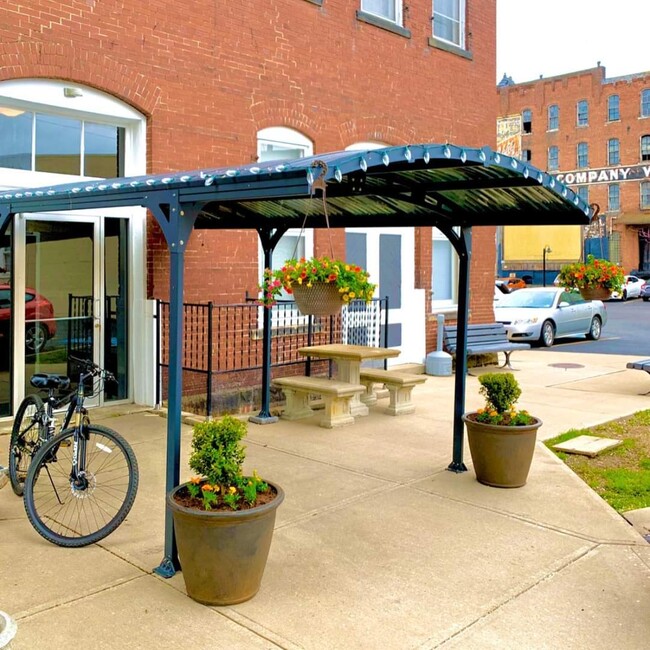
[592, 133]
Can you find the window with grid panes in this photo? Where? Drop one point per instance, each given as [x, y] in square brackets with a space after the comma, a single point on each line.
[645, 103]
[553, 117]
[613, 108]
[583, 193]
[527, 120]
[613, 198]
[553, 158]
[582, 113]
[613, 151]
[583, 155]
[645, 147]
[387, 9]
[645, 195]
[449, 21]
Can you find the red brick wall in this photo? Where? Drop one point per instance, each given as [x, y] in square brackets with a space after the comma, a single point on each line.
[209, 75]
[566, 91]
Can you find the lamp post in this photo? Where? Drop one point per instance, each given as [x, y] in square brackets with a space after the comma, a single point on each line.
[547, 249]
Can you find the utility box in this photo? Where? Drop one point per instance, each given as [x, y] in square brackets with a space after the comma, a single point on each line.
[438, 363]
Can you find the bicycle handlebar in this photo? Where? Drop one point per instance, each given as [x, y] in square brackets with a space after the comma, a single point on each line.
[92, 369]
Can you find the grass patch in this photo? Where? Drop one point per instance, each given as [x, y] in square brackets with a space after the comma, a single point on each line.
[621, 475]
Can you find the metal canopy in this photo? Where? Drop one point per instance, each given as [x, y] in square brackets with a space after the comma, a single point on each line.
[452, 188]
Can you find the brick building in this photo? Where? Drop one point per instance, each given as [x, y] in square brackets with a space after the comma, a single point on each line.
[592, 133]
[98, 90]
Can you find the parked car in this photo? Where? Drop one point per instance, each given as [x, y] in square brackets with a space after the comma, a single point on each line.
[513, 282]
[500, 289]
[40, 325]
[543, 314]
[645, 292]
[631, 288]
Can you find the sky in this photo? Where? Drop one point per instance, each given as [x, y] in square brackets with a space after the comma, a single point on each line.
[553, 37]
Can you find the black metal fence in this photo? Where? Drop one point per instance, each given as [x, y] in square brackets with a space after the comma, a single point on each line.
[222, 351]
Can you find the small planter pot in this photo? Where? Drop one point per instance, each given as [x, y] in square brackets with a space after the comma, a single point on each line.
[595, 293]
[501, 455]
[223, 554]
[321, 299]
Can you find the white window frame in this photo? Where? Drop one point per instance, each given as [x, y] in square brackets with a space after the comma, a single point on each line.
[462, 9]
[438, 305]
[286, 138]
[397, 8]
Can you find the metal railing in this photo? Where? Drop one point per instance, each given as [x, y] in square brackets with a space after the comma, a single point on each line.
[222, 351]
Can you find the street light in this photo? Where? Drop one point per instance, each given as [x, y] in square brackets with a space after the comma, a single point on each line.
[547, 249]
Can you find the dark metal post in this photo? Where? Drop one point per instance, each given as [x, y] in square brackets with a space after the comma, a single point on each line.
[547, 249]
[158, 318]
[177, 227]
[210, 352]
[463, 246]
[269, 239]
[310, 329]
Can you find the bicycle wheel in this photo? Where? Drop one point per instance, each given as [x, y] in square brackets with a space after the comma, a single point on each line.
[27, 434]
[70, 514]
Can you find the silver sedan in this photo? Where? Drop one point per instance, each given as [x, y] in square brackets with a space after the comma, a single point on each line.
[544, 314]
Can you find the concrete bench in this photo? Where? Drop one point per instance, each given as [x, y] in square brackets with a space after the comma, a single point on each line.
[483, 338]
[399, 386]
[641, 364]
[336, 396]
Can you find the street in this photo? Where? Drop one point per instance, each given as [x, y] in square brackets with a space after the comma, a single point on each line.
[627, 331]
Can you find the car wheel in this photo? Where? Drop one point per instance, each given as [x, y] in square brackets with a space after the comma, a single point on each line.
[35, 338]
[547, 337]
[624, 296]
[595, 329]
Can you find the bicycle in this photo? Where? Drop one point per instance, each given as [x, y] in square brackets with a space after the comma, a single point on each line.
[82, 482]
[35, 423]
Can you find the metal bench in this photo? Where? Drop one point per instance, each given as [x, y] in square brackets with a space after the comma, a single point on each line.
[399, 386]
[482, 339]
[336, 396]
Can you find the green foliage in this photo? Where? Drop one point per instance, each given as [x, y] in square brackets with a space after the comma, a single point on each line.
[501, 391]
[218, 456]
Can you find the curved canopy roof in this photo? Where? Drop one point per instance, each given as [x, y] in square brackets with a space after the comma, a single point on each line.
[413, 185]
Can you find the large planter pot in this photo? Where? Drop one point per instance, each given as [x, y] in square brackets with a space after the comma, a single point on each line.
[595, 293]
[321, 299]
[501, 455]
[223, 554]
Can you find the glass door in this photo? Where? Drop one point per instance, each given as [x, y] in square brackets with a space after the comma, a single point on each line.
[75, 290]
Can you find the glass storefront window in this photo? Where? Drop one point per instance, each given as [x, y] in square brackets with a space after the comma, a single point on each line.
[6, 360]
[58, 144]
[102, 145]
[15, 138]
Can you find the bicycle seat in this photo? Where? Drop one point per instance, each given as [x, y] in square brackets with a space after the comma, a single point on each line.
[44, 380]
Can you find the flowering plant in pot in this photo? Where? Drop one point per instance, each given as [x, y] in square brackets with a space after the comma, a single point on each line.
[595, 278]
[223, 519]
[334, 281]
[501, 438]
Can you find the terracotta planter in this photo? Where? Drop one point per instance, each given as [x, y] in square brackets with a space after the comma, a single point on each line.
[595, 293]
[501, 455]
[223, 554]
[321, 299]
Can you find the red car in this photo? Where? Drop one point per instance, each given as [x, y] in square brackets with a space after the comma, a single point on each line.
[40, 325]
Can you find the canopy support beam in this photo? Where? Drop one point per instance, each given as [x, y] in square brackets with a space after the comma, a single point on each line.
[269, 237]
[177, 225]
[463, 246]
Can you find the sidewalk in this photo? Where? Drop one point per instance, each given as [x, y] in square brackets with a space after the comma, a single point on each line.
[376, 544]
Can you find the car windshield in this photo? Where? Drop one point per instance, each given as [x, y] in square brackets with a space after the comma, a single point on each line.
[532, 299]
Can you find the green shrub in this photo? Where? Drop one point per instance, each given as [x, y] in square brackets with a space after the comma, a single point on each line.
[501, 391]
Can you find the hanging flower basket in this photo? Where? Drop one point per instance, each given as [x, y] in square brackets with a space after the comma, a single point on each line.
[595, 293]
[320, 285]
[319, 299]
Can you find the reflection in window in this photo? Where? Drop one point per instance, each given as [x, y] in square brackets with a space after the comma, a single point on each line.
[583, 113]
[6, 359]
[645, 147]
[445, 269]
[15, 138]
[50, 143]
[58, 145]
